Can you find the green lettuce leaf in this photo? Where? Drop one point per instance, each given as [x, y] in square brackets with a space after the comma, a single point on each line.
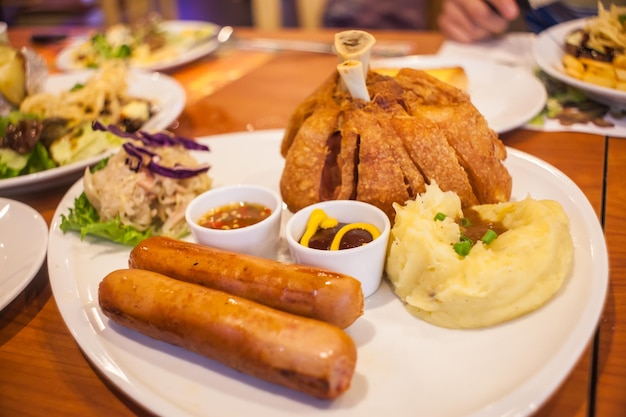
[82, 143]
[13, 164]
[84, 218]
[39, 160]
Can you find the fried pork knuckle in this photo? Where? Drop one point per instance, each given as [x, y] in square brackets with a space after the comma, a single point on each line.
[415, 129]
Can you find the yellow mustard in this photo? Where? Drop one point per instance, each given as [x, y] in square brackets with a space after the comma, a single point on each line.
[319, 219]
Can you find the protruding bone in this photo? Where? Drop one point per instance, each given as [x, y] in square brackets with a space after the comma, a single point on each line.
[355, 45]
[351, 72]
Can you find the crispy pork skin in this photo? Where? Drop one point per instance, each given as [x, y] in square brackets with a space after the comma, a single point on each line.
[415, 129]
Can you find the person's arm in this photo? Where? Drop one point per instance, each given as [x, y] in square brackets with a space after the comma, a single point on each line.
[473, 20]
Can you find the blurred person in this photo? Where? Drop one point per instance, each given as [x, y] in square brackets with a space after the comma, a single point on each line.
[377, 14]
[474, 20]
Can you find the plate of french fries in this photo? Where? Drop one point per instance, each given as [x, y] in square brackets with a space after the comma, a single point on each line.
[602, 79]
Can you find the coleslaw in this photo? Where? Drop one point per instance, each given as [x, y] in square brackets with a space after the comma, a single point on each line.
[141, 191]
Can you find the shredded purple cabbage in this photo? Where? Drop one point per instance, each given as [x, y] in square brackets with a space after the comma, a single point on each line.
[138, 155]
[152, 139]
[137, 160]
[178, 171]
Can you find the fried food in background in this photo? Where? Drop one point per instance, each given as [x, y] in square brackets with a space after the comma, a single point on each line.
[415, 129]
[103, 96]
[596, 53]
[605, 74]
[493, 283]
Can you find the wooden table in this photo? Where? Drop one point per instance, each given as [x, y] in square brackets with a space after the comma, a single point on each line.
[42, 370]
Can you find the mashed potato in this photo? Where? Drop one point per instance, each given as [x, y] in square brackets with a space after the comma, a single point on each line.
[513, 275]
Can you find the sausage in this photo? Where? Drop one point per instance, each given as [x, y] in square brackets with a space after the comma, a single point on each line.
[303, 290]
[304, 354]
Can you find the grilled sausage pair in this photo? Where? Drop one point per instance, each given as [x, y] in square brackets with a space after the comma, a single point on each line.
[278, 322]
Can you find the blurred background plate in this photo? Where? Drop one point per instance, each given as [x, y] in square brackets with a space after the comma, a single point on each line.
[506, 96]
[65, 59]
[549, 51]
[164, 90]
[23, 246]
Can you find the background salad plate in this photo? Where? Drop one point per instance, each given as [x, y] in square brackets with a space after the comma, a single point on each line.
[164, 90]
[65, 59]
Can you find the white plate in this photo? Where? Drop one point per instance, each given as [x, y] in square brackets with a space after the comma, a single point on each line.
[406, 367]
[548, 52]
[506, 96]
[65, 59]
[23, 245]
[161, 88]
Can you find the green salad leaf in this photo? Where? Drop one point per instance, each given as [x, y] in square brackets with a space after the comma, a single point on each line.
[39, 160]
[84, 218]
[13, 164]
[569, 105]
[81, 143]
[106, 50]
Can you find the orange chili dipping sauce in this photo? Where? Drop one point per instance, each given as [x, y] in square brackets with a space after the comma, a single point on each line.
[234, 216]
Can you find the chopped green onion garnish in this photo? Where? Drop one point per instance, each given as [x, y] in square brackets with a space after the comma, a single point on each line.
[440, 216]
[122, 52]
[465, 222]
[489, 236]
[463, 247]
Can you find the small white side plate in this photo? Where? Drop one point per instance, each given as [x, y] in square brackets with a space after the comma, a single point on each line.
[23, 246]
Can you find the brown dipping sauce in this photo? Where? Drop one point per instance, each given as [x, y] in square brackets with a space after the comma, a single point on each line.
[475, 227]
[234, 216]
[352, 239]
